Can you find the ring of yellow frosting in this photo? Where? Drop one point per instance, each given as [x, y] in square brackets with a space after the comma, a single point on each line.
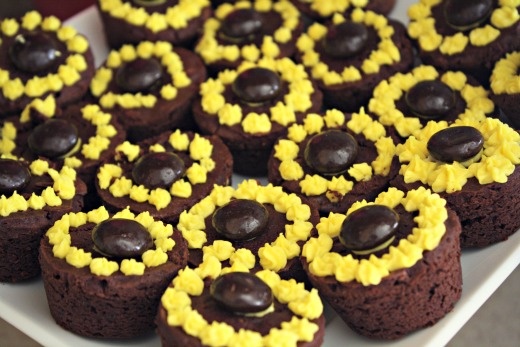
[505, 78]
[326, 8]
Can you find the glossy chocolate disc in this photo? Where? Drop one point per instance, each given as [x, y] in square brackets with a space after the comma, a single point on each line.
[158, 170]
[368, 227]
[467, 14]
[240, 219]
[345, 39]
[121, 238]
[458, 143]
[14, 175]
[148, 2]
[139, 75]
[430, 99]
[241, 24]
[54, 138]
[331, 152]
[241, 293]
[257, 85]
[34, 52]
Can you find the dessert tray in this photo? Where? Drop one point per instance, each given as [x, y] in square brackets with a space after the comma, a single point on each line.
[24, 305]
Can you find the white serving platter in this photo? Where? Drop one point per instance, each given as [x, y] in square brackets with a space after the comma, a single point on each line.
[25, 305]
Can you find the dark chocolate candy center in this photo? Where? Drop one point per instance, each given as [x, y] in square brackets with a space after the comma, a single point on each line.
[241, 293]
[241, 24]
[331, 152]
[240, 219]
[368, 227]
[33, 52]
[121, 238]
[430, 99]
[345, 39]
[14, 175]
[149, 2]
[467, 14]
[458, 143]
[54, 138]
[257, 85]
[139, 75]
[158, 169]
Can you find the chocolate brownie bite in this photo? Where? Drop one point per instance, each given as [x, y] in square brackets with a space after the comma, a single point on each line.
[246, 31]
[251, 107]
[164, 175]
[214, 305]
[81, 137]
[104, 274]
[33, 196]
[133, 21]
[475, 167]
[408, 101]
[149, 87]
[258, 227]
[40, 57]
[469, 36]
[321, 10]
[334, 160]
[505, 89]
[353, 53]
[390, 266]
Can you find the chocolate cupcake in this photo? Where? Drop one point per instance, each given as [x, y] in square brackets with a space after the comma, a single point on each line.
[217, 306]
[352, 54]
[475, 167]
[164, 175]
[390, 266]
[334, 160]
[104, 274]
[407, 102]
[469, 36]
[259, 227]
[41, 57]
[81, 137]
[133, 21]
[33, 195]
[247, 31]
[251, 107]
[149, 87]
[321, 10]
[505, 89]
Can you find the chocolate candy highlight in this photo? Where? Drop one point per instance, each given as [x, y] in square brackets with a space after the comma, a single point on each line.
[158, 170]
[14, 176]
[331, 152]
[257, 85]
[139, 75]
[241, 24]
[458, 144]
[368, 228]
[241, 293]
[34, 52]
[149, 2]
[345, 40]
[467, 14]
[240, 219]
[54, 138]
[121, 238]
[430, 99]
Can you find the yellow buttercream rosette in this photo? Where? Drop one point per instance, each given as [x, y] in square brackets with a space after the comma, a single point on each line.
[72, 58]
[431, 214]
[386, 52]
[390, 91]
[62, 188]
[212, 49]
[163, 52]
[423, 28]
[60, 234]
[297, 98]
[273, 255]
[181, 312]
[497, 160]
